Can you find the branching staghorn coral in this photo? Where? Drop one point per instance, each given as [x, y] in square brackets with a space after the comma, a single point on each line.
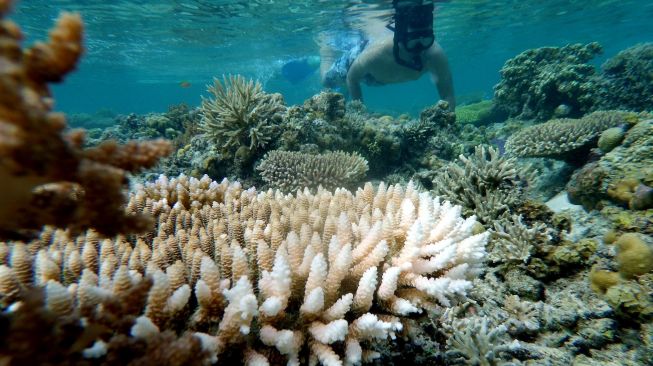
[486, 184]
[565, 138]
[290, 171]
[47, 177]
[475, 342]
[262, 276]
[240, 114]
[514, 242]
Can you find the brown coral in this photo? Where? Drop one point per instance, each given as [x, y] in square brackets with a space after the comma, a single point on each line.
[47, 177]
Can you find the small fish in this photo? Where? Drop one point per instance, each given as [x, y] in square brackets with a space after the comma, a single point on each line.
[562, 110]
[185, 84]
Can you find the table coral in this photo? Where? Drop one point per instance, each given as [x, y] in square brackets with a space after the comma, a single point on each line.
[565, 138]
[291, 171]
[47, 177]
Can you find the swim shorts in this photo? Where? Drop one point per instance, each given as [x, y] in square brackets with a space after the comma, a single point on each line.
[352, 46]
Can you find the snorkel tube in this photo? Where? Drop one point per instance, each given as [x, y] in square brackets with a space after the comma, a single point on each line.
[413, 31]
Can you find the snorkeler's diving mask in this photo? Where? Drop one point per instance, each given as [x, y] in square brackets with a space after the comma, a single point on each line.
[413, 24]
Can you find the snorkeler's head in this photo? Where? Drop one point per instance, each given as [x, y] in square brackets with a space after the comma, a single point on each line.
[413, 24]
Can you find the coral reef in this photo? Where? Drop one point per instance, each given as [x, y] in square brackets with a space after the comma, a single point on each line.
[485, 184]
[514, 241]
[179, 123]
[474, 344]
[322, 123]
[291, 171]
[303, 271]
[48, 178]
[610, 138]
[565, 139]
[622, 176]
[435, 133]
[538, 81]
[628, 79]
[328, 106]
[627, 290]
[259, 276]
[585, 186]
[631, 192]
[240, 117]
[634, 255]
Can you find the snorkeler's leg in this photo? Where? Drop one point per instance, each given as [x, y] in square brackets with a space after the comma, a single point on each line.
[328, 54]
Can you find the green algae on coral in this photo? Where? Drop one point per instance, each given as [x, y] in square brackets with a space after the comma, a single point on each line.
[480, 113]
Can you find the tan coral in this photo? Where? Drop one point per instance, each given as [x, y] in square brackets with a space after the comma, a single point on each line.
[344, 270]
[560, 138]
[291, 171]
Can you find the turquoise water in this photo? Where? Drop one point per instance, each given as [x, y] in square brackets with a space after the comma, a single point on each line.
[138, 52]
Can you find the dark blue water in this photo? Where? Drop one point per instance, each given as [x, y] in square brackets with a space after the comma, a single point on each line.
[138, 52]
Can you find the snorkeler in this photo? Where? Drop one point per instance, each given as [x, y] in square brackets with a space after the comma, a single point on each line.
[403, 55]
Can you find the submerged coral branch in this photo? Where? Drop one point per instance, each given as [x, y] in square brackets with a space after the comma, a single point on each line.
[47, 177]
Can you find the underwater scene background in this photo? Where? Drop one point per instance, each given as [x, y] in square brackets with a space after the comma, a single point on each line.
[177, 187]
[139, 51]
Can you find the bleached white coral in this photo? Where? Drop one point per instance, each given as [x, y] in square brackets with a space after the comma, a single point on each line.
[242, 306]
[143, 328]
[269, 274]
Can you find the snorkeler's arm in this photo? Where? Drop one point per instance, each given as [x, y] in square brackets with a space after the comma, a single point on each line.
[354, 76]
[439, 68]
